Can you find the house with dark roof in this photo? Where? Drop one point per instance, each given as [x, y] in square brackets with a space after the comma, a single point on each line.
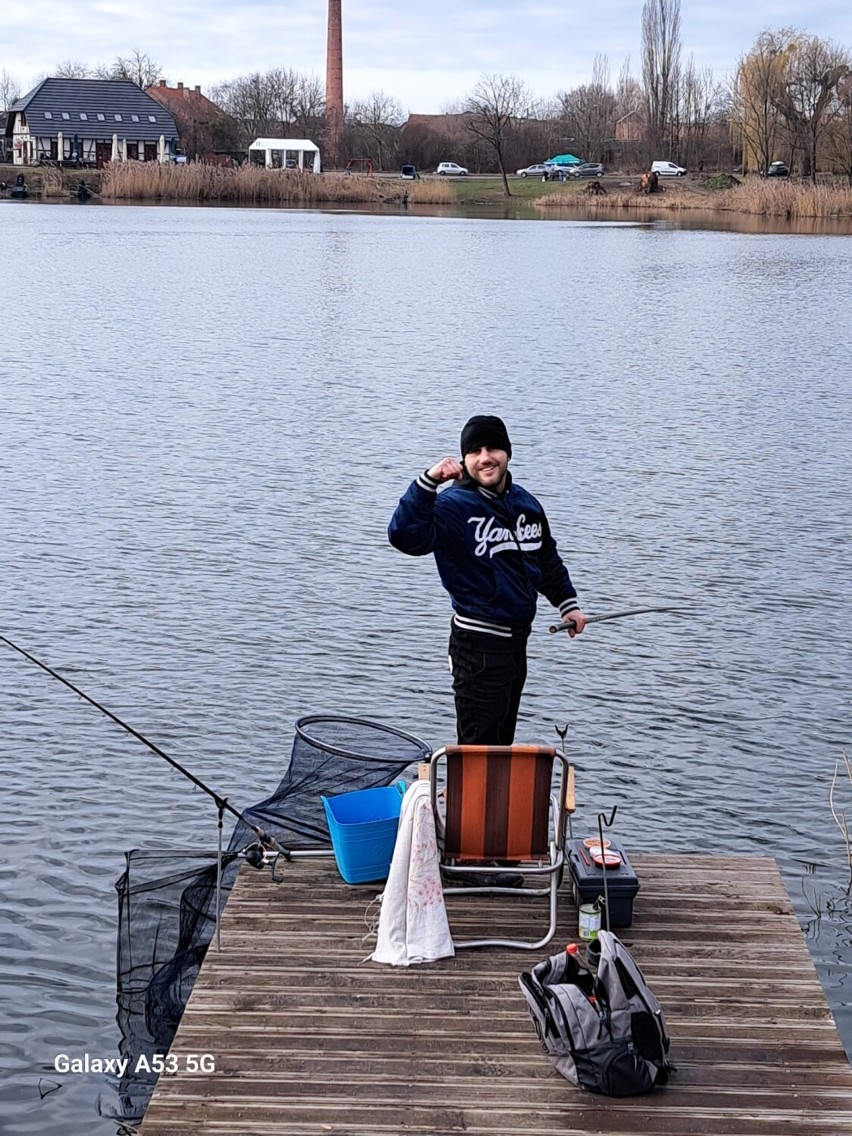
[90, 122]
[206, 131]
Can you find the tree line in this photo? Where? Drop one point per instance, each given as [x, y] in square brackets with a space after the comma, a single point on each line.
[790, 98]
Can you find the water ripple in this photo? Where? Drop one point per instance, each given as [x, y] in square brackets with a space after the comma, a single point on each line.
[199, 471]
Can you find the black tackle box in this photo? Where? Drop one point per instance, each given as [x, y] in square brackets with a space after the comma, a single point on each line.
[587, 883]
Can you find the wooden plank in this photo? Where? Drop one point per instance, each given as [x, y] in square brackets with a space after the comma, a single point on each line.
[310, 1038]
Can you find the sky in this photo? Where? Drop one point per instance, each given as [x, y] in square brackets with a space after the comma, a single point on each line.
[426, 54]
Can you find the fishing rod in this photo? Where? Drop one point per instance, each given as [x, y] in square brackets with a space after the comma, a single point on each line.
[569, 625]
[222, 803]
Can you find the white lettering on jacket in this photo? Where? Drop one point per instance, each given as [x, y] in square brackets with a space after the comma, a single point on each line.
[492, 537]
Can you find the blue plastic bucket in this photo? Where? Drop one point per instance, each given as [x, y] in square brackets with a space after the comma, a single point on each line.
[363, 829]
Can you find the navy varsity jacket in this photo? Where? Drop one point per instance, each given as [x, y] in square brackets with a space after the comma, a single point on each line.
[494, 552]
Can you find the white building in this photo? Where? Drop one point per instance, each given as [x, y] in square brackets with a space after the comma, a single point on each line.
[285, 154]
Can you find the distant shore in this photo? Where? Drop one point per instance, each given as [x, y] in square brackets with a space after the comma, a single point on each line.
[788, 199]
[246, 185]
[754, 196]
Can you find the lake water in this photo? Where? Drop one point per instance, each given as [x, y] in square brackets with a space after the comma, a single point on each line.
[208, 416]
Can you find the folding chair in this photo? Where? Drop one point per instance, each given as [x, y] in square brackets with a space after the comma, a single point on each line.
[499, 806]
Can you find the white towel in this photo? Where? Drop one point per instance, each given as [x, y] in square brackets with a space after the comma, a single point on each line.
[413, 920]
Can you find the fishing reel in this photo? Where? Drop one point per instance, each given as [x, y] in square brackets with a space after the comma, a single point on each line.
[258, 856]
[255, 855]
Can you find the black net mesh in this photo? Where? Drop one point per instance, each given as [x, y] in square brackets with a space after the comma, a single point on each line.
[166, 919]
[167, 899]
[330, 755]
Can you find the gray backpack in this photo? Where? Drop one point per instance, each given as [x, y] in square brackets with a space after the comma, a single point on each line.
[601, 1026]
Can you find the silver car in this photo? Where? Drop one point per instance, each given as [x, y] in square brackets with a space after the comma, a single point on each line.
[537, 170]
[586, 170]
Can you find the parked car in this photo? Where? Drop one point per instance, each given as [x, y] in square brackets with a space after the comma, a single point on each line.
[445, 169]
[778, 170]
[586, 170]
[408, 172]
[537, 170]
[667, 169]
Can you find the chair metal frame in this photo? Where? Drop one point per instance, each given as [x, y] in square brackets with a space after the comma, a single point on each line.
[561, 808]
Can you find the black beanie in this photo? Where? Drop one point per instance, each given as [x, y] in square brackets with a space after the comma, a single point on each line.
[485, 430]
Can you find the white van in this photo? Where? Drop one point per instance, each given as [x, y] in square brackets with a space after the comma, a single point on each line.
[667, 169]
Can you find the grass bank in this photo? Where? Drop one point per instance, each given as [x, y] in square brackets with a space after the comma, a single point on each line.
[489, 190]
[252, 185]
[756, 197]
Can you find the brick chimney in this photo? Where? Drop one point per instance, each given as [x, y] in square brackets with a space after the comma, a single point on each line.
[198, 90]
[163, 82]
[334, 84]
[180, 86]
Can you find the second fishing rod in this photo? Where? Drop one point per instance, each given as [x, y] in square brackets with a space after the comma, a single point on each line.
[222, 803]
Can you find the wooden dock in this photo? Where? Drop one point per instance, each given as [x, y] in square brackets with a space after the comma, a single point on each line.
[308, 1039]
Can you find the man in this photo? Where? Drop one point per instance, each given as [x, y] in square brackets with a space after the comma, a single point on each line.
[494, 553]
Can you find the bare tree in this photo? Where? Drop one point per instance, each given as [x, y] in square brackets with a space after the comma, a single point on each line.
[138, 67]
[73, 69]
[588, 113]
[629, 128]
[628, 91]
[699, 98]
[840, 135]
[493, 109]
[374, 124]
[755, 98]
[787, 93]
[281, 83]
[309, 104]
[265, 103]
[10, 89]
[661, 47]
[808, 97]
[251, 100]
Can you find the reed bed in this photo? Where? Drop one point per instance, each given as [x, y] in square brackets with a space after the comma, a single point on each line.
[251, 185]
[430, 193]
[794, 200]
[756, 196]
[622, 199]
[53, 184]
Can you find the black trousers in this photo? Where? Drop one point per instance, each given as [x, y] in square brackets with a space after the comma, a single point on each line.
[487, 683]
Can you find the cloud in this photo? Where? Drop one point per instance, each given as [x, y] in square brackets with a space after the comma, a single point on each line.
[422, 55]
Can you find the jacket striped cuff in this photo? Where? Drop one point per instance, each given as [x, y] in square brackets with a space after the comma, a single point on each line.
[426, 482]
[568, 606]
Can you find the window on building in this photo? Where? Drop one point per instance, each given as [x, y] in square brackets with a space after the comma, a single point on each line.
[134, 118]
[117, 117]
[48, 114]
[152, 118]
[83, 116]
[101, 118]
[65, 114]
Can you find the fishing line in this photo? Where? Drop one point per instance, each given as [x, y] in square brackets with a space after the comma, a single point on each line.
[222, 803]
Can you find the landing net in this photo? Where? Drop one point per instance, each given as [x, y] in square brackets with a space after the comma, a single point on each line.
[167, 898]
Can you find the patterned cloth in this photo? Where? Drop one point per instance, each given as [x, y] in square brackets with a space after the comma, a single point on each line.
[413, 923]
